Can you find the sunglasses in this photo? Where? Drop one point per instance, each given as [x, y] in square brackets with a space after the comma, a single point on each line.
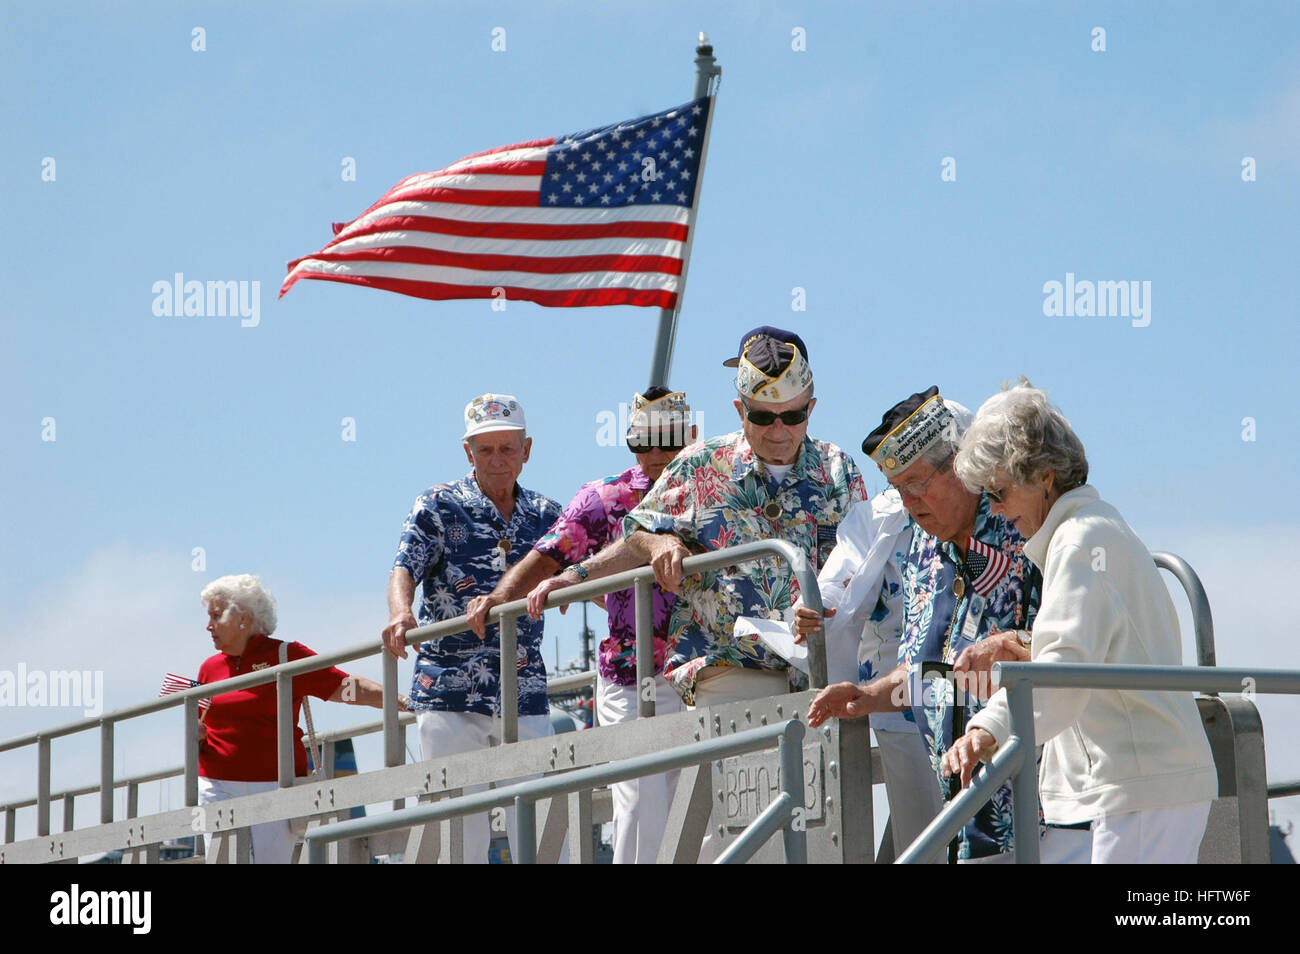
[645, 443]
[767, 418]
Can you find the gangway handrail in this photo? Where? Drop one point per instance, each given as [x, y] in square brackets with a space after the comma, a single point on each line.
[1202, 618]
[1013, 761]
[505, 614]
[554, 687]
[524, 795]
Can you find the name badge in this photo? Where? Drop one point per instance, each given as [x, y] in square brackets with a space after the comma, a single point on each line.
[970, 629]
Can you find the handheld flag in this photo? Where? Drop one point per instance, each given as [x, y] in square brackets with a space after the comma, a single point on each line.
[174, 683]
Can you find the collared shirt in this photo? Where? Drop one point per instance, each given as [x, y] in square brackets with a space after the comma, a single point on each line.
[863, 581]
[593, 520]
[939, 624]
[712, 495]
[451, 545]
[239, 742]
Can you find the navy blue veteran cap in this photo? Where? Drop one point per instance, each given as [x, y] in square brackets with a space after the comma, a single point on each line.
[779, 334]
[907, 430]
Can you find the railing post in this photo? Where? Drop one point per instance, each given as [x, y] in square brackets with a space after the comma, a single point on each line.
[1024, 784]
[526, 830]
[191, 753]
[43, 785]
[69, 811]
[392, 738]
[105, 772]
[645, 648]
[284, 728]
[132, 799]
[509, 678]
[11, 820]
[794, 833]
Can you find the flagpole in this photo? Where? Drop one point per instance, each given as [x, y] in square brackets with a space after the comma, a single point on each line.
[706, 71]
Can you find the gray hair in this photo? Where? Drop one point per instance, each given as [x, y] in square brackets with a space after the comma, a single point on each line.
[243, 593]
[949, 441]
[1019, 432]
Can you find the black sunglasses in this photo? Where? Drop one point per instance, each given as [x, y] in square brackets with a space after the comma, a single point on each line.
[645, 443]
[788, 418]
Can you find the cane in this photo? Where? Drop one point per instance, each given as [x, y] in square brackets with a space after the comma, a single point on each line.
[942, 670]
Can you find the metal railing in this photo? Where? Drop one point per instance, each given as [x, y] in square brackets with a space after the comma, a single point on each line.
[782, 814]
[1202, 618]
[1014, 759]
[506, 615]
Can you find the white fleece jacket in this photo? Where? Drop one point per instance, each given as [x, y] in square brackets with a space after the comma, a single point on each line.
[1103, 601]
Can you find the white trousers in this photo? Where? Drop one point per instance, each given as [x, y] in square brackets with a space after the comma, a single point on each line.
[450, 733]
[910, 785]
[1058, 846]
[1158, 836]
[272, 841]
[640, 804]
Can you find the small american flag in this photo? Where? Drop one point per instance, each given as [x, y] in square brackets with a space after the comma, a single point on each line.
[595, 218]
[465, 583]
[987, 566]
[174, 683]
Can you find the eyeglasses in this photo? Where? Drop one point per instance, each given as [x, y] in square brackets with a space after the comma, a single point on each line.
[645, 443]
[768, 418]
[918, 489]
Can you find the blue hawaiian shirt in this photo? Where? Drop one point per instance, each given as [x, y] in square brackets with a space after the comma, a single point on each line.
[939, 624]
[451, 545]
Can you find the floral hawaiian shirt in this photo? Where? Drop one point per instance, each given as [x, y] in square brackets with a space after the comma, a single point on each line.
[714, 495]
[939, 623]
[452, 545]
[593, 520]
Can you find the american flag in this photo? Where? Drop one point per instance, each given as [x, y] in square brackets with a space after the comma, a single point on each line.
[987, 566]
[174, 683]
[596, 218]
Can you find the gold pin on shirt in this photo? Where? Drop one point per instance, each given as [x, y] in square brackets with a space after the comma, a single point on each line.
[504, 545]
[772, 510]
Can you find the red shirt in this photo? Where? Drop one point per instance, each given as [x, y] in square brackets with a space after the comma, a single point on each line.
[240, 745]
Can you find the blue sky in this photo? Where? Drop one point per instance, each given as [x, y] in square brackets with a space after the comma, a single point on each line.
[824, 173]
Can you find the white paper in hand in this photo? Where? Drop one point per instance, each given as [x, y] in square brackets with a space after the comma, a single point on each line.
[777, 637]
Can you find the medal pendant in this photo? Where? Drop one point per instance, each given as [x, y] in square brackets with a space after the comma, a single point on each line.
[772, 510]
[959, 587]
[504, 544]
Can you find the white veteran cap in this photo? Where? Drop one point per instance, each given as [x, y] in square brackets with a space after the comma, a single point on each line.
[493, 412]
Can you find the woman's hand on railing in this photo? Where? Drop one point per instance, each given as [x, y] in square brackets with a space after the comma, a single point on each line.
[977, 660]
[966, 753]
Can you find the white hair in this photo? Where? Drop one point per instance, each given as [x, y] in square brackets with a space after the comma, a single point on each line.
[242, 593]
[1020, 433]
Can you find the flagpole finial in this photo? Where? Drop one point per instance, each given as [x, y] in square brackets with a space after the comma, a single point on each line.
[705, 45]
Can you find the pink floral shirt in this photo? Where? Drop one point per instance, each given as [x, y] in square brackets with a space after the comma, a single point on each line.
[593, 520]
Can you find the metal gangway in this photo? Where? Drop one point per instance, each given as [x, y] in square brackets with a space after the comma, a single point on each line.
[738, 765]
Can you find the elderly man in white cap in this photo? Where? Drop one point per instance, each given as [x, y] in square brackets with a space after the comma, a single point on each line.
[769, 479]
[583, 543]
[457, 541]
[966, 584]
